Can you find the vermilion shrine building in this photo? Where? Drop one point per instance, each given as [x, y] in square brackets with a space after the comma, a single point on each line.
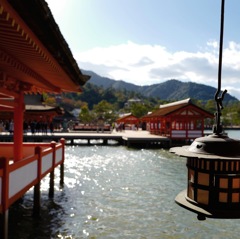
[35, 109]
[128, 119]
[177, 120]
[34, 58]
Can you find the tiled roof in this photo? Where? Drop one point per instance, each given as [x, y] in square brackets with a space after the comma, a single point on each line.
[126, 116]
[167, 109]
[35, 103]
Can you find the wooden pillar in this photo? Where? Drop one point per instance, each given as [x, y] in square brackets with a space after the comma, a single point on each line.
[202, 126]
[62, 164]
[4, 164]
[61, 174]
[4, 225]
[37, 187]
[105, 141]
[37, 199]
[51, 182]
[18, 127]
[51, 185]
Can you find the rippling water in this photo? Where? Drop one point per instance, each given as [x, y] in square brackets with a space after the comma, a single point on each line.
[116, 192]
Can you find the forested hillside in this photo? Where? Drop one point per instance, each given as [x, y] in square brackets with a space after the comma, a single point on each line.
[169, 90]
[103, 96]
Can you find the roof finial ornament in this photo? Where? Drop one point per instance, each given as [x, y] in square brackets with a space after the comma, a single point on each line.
[217, 129]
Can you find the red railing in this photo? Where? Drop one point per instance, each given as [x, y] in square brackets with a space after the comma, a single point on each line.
[16, 178]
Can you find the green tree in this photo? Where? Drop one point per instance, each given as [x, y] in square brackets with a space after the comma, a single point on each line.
[139, 110]
[109, 95]
[50, 101]
[105, 110]
[85, 115]
[211, 106]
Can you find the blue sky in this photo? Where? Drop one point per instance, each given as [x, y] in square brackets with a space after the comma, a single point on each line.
[150, 41]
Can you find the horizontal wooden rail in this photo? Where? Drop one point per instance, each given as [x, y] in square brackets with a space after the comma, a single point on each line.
[16, 178]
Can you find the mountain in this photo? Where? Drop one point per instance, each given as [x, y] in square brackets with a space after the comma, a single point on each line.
[168, 90]
[109, 83]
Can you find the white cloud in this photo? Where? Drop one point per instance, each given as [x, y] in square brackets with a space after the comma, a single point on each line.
[213, 44]
[150, 64]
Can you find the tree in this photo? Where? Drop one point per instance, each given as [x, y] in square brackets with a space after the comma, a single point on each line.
[85, 115]
[105, 110]
[139, 110]
[110, 95]
[211, 106]
[50, 101]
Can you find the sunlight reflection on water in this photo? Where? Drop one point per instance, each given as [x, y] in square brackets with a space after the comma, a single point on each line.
[115, 192]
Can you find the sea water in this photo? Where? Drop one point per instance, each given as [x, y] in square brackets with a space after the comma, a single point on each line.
[116, 192]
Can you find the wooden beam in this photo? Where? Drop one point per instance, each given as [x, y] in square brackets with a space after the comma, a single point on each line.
[8, 104]
[7, 93]
[18, 127]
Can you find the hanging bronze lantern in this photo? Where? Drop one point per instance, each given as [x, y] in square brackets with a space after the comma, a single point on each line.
[213, 164]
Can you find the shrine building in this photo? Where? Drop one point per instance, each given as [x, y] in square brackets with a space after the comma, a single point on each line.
[34, 58]
[177, 120]
[129, 120]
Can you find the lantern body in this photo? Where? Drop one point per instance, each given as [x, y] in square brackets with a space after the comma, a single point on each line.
[214, 183]
[213, 187]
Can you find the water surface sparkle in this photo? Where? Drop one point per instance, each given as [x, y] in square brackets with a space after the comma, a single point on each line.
[116, 192]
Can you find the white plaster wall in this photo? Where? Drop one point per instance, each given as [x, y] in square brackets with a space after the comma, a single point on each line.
[178, 133]
[21, 177]
[47, 162]
[58, 155]
[195, 133]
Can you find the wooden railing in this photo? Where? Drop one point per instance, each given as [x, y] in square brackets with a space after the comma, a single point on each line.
[178, 134]
[16, 178]
[186, 134]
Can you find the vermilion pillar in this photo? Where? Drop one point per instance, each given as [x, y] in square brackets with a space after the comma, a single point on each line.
[18, 127]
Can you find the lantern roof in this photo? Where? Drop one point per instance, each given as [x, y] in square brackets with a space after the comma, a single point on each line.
[214, 146]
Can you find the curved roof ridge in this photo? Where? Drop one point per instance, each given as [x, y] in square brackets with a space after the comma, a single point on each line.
[180, 102]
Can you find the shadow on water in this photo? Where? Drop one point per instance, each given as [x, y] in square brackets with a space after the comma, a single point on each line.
[23, 225]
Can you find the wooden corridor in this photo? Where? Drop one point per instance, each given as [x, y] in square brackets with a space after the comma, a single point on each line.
[128, 138]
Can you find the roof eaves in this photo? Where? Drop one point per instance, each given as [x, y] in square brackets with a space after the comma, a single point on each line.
[39, 18]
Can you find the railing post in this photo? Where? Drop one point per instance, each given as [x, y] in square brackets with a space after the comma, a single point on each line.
[37, 189]
[51, 182]
[4, 164]
[62, 141]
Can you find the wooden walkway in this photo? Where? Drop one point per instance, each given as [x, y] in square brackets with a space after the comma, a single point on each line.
[128, 138]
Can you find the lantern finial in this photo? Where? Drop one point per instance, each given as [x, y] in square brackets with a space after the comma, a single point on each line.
[217, 129]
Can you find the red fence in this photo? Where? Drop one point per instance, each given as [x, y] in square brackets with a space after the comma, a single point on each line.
[16, 178]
